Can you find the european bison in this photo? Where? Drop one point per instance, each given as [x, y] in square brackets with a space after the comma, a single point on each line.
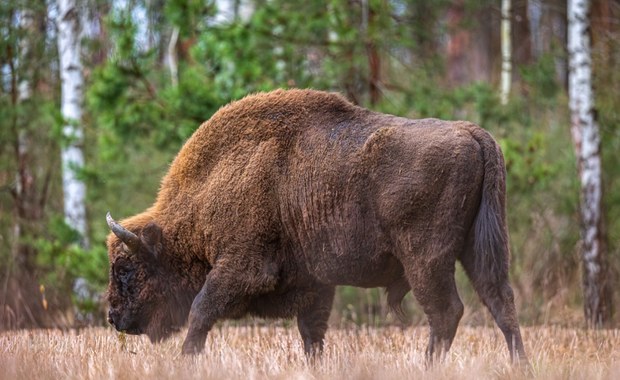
[282, 196]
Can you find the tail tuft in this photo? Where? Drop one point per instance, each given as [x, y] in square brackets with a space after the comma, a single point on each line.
[491, 249]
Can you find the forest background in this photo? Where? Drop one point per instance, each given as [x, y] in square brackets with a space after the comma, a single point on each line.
[154, 70]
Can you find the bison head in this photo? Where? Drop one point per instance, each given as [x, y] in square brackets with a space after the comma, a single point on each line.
[141, 291]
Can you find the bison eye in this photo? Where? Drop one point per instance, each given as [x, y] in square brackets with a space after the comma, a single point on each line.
[124, 276]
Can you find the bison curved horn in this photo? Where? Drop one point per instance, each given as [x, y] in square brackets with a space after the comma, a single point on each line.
[129, 238]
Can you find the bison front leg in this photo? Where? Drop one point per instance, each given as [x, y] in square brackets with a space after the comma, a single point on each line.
[224, 294]
[312, 320]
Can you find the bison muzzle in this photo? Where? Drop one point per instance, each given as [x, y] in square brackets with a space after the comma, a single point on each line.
[282, 196]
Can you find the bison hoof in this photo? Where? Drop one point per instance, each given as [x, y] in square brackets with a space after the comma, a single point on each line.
[192, 348]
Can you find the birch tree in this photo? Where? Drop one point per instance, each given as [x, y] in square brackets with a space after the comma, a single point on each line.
[506, 50]
[586, 140]
[74, 189]
[172, 56]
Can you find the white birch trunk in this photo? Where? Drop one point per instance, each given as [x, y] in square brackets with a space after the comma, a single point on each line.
[225, 12]
[229, 11]
[172, 57]
[586, 140]
[74, 190]
[244, 10]
[506, 77]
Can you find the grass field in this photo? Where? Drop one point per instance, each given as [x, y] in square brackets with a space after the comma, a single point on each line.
[275, 352]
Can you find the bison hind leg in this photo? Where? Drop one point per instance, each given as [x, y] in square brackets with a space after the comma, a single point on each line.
[396, 291]
[497, 295]
[436, 292]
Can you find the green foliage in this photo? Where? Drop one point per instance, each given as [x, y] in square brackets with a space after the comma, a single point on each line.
[606, 82]
[63, 264]
[529, 171]
[189, 15]
[243, 65]
[120, 92]
[63, 260]
[539, 78]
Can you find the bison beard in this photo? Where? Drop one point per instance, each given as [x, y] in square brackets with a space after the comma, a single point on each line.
[282, 196]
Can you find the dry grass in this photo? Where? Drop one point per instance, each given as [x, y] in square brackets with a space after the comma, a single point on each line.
[276, 353]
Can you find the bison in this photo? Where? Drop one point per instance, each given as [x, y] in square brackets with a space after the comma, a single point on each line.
[282, 196]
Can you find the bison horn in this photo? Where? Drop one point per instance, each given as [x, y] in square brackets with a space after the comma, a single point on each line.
[129, 238]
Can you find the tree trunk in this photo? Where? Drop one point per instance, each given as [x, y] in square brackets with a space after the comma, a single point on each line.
[458, 42]
[20, 299]
[226, 12]
[24, 192]
[521, 36]
[472, 43]
[506, 78]
[585, 133]
[547, 24]
[172, 57]
[74, 189]
[602, 20]
[424, 19]
[372, 53]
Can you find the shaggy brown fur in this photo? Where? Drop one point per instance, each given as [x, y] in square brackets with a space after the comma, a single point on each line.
[282, 196]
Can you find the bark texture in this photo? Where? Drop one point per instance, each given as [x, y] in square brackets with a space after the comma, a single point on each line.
[586, 139]
[506, 78]
[74, 189]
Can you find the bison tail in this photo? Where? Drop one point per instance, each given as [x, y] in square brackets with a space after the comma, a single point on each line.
[491, 250]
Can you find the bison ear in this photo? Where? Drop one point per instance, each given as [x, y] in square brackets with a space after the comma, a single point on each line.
[152, 238]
